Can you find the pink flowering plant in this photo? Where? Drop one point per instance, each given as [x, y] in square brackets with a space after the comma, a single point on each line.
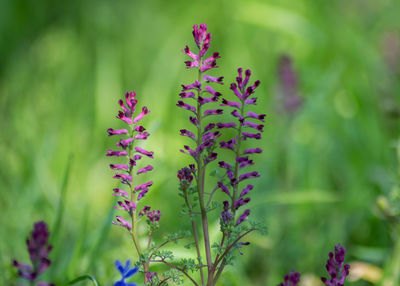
[205, 103]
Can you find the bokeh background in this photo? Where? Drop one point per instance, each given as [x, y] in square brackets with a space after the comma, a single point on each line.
[64, 65]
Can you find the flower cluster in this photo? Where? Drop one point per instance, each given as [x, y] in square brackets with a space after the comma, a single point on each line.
[201, 93]
[132, 155]
[39, 250]
[335, 267]
[234, 172]
[126, 272]
[288, 87]
[291, 279]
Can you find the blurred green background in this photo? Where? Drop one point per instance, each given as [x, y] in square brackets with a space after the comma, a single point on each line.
[66, 63]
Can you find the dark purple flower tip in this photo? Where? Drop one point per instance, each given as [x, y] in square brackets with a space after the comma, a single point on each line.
[234, 88]
[228, 144]
[209, 78]
[119, 167]
[142, 136]
[143, 186]
[112, 132]
[244, 161]
[212, 91]
[139, 128]
[141, 114]
[209, 127]
[144, 152]
[213, 156]
[195, 85]
[121, 115]
[193, 120]
[253, 151]
[291, 280]
[253, 125]
[188, 133]
[116, 153]
[256, 116]
[142, 194]
[191, 64]
[123, 177]
[186, 106]
[223, 164]
[246, 190]
[237, 114]
[244, 216]
[120, 193]
[251, 101]
[213, 112]
[231, 103]
[122, 222]
[211, 65]
[251, 135]
[124, 108]
[189, 94]
[240, 202]
[185, 175]
[189, 151]
[224, 189]
[148, 168]
[124, 143]
[245, 176]
[226, 125]
[187, 51]
[204, 100]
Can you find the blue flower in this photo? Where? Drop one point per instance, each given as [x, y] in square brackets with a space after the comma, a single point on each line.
[125, 272]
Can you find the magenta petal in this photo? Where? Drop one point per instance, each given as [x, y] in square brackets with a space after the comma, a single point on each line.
[145, 169]
[144, 152]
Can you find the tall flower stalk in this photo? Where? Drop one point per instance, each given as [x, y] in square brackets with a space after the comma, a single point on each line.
[205, 141]
[132, 192]
[205, 138]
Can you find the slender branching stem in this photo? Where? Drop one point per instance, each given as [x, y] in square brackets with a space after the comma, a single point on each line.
[177, 268]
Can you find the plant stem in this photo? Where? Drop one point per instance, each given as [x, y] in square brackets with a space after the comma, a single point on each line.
[177, 268]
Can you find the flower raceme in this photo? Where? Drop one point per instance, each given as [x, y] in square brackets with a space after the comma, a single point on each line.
[338, 271]
[132, 155]
[244, 120]
[291, 279]
[39, 250]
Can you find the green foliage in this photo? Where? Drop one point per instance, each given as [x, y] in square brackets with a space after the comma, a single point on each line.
[65, 64]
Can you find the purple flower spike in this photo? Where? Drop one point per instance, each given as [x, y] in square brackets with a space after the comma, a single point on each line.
[39, 250]
[112, 132]
[288, 87]
[291, 280]
[246, 190]
[337, 271]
